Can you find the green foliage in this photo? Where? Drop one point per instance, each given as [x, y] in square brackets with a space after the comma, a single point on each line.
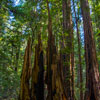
[9, 83]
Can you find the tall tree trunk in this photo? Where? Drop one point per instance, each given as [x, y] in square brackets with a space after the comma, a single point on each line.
[37, 92]
[68, 55]
[49, 56]
[96, 20]
[72, 65]
[25, 76]
[57, 83]
[92, 73]
[51, 52]
[79, 54]
[54, 84]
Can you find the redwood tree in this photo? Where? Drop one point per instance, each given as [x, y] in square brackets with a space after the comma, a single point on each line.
[92, 72]
[37, 85]
[54, 82]
[26, 72]
[68, 51]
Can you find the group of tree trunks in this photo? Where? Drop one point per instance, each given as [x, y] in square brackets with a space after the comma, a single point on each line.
[60, 67]
[32, 80]
[53, 77]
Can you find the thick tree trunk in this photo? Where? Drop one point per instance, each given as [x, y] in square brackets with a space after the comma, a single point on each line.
[79, 54]
[92, 73]
[97, 27]
[49, 56]
[37, 85]
[58, 89]
[72, 70]
[25, 76]
[54, 84]
[68, 51]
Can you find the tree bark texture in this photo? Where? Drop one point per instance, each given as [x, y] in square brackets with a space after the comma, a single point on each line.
[92, 73]
[25, 76]
[68, 51]
[49, 56]
[54, 84]
[37, 85]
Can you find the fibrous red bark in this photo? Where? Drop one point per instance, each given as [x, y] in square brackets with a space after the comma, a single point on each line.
[54, 84]
[37, 85]
[68, 51]
[92, 72]
[25, 76]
